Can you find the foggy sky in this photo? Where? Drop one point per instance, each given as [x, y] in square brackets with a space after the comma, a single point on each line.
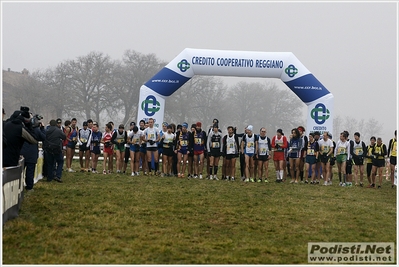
[351, 48]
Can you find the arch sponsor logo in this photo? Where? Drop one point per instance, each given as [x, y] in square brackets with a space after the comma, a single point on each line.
[183, 65]
[320, 113]
[150, 105]
[291, 71]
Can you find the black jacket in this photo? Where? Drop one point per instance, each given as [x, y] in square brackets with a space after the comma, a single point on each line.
[16, 134]
[31, 151]
[53, 142]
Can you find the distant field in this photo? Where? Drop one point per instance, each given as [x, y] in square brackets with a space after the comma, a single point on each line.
[118, 219]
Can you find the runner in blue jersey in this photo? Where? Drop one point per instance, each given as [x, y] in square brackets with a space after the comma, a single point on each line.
[199, 148]
[294, 154]
[311, 155]
[183, 146]
[95, 146]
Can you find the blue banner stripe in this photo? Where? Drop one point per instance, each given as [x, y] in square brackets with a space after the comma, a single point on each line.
[166, 82]
[307, 88]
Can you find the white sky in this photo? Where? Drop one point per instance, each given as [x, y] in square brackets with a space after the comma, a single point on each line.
[351, 48]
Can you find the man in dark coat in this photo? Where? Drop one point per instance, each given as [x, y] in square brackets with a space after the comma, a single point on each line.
[31, 153]
[53, 149]
[16, 134]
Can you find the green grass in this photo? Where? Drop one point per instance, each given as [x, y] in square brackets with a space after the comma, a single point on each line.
[118, 219]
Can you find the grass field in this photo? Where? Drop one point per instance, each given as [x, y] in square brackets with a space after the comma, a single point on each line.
[118, 219]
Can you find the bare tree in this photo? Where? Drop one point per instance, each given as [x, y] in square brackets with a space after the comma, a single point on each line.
[263, 105]
[200, 99]
[366, 128]
[88, 78]
[134, 71]
[26, 90]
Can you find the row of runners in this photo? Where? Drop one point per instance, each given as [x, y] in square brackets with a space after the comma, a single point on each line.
[305, 158]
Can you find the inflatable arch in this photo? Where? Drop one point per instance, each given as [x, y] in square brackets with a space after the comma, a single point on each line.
[282, 65]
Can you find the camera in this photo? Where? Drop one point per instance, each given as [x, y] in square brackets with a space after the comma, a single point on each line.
[24, 109]
[35, 120]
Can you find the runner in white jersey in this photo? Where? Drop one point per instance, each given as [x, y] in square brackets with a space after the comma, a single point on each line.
[326, 149]
[249, 147]
[264, 155]
[151, 136]
[84, 140]
[341, 154]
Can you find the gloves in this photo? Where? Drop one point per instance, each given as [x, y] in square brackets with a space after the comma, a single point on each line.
[277, 146]
[151, 142]
[170, 144]
[332, 161]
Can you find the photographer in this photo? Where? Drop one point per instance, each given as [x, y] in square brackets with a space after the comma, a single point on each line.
[17, 131]
[31, 151]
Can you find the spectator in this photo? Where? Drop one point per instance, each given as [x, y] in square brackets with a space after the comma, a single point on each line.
[16, 133]
[31, 153]
[53, 148]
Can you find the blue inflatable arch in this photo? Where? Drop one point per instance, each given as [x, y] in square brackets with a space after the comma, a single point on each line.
[282, 65]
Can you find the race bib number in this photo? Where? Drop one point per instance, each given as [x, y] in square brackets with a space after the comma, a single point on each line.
[183, 143]
[83, 140]
[342, 150]
[358, 151]
[198, 141]
[135, 141]
[151, 136]
[263, 151]
[250, 145]
[310, 152]
[231, 149]
[325, 149]
[215, 145]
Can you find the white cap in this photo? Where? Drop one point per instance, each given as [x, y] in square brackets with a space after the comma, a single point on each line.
[250, 128]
